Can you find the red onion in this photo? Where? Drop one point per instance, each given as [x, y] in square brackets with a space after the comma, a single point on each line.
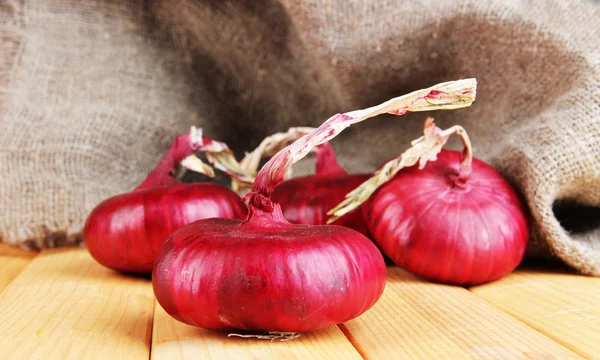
[125, 231]
[267, 274]
[307, 199]
[454, 220]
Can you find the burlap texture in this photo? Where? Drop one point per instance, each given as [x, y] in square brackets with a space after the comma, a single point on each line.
[92, 93]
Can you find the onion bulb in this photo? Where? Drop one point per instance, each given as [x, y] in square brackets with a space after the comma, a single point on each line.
[451, 218]
[124, 232]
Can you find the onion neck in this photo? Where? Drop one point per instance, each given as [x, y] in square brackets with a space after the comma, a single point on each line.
[183, 146]
[181, 150]
[263, 212]
[461, 179]
[326, 163]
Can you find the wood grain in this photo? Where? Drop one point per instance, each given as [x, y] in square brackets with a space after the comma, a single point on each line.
[64, 305]
[416, 319]
[174, 340]
[13, 251]
[12, 261]
[10, 267]
[564, 306]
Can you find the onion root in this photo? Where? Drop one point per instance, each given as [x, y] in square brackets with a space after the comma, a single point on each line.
[271, 335]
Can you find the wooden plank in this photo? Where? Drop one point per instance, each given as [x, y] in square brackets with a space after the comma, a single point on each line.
[11, 250]
[12, 261]
[562, 305]
[64, 305]
[10, 267]
[416, 319]
[173, 340]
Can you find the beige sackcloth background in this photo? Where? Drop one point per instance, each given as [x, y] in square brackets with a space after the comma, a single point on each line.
[93, 92]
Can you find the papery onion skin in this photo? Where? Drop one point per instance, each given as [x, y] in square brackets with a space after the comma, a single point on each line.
[125, 232]
[267, 274]
[435, 229]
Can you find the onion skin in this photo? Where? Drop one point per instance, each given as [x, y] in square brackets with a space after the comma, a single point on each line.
[266, 274]
[125, 232]
[307, 199]
[430, 224]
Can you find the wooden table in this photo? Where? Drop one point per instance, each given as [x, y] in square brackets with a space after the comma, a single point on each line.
[61, 304]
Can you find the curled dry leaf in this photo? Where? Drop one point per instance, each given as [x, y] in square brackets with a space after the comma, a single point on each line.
[268, 147]
[218, 154]
[444, 96]
[194, 163]
[424, 149]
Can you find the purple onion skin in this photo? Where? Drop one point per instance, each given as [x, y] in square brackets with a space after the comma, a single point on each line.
[125, 232]
[307, 199]
[464, 235]
[266, 274]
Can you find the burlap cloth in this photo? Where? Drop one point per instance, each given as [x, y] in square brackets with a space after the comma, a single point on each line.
[93, 92]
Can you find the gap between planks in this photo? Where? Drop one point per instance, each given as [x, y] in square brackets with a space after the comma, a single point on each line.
[172, 339]
[64, 305]
[416, 319]
[561, 304]
[12, 261]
